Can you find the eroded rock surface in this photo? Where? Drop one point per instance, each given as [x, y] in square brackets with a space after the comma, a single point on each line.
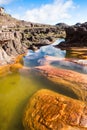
[48, 110]
[11, 46]
[72, 80]
[17, 36]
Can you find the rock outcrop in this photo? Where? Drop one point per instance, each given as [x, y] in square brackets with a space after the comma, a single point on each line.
[11, 46]
[76, 36]
[17, 36]
[62, 25]
[48, 110]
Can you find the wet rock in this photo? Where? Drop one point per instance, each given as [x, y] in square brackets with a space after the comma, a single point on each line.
[72, 80]
[47, 110]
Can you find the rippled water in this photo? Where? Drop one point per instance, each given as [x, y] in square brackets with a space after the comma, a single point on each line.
[17, 87]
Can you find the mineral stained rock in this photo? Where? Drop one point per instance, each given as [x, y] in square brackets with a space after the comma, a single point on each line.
[48, 110]
[75, 81]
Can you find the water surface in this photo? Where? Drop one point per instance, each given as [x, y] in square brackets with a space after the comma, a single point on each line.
[17, 87]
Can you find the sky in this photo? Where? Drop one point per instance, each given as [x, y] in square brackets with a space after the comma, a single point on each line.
[47, 11]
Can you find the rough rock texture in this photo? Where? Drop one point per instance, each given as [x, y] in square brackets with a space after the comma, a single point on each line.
[14, 42]
[39, 36]
[11, 46]
[17, 36]
[48, 110]
[76, 36]
[72, 80]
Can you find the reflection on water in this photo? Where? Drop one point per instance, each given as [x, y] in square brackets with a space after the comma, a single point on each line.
[71, 65]
[16, 88]
[80, 53]
[32, 59]
[76, 62]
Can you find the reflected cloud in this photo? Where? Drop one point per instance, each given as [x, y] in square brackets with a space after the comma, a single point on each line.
[33, 58]
[49, 55]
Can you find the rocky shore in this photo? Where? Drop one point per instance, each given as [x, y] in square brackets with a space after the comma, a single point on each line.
[17, 36]
[47, 110]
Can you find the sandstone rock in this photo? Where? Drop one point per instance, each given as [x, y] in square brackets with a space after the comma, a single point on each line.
[72, 80]
[48, 110]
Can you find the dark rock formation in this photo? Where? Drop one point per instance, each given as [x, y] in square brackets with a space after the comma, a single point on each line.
[40, 36]
[76, 36]
[48, 110]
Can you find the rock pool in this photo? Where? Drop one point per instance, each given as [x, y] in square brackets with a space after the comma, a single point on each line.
[17, 87]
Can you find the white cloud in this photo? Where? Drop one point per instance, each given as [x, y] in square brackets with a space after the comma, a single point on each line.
[50, 13]
[5, 1]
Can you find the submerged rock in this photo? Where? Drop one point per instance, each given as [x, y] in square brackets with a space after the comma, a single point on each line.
[48, 110]
[69, 79]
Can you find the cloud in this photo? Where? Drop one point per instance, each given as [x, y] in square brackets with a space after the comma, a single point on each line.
[4, 2]
[50, 13]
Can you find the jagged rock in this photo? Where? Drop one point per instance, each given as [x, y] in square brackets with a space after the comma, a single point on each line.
[47, 110]
[33, 47]
[17, 36]
[76, 36]
[18, 42]
[49, 38]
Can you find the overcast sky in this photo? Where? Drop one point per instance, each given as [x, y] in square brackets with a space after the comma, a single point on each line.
[47, 11]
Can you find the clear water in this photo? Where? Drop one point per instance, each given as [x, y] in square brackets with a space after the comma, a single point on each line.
[32, 59]
[37, 58]
[17, 87]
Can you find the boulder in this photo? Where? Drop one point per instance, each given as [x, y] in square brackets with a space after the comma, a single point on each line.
[76, 36]
[47, 110]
